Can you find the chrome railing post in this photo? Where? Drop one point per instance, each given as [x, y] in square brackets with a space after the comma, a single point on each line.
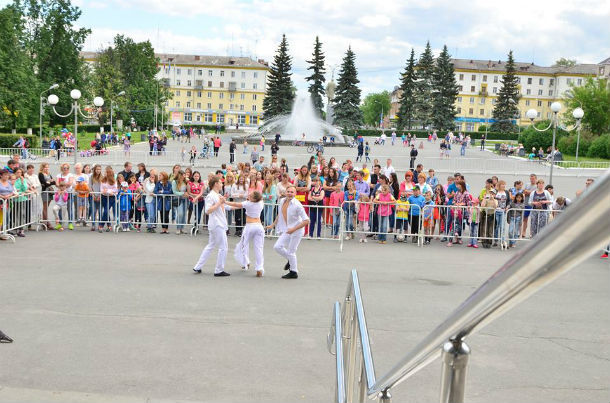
[455, 354]
[385, 396]
[350, 349]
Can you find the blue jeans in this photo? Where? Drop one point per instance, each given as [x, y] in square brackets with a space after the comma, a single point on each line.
[315, 217]
[474, 233]
[383, 227]
[181, 214]
[499, 226]
[96, 212]
[514, 229]
[108, 203]
[349, 214]
[336, 222]
[268, 214]
[152, 213]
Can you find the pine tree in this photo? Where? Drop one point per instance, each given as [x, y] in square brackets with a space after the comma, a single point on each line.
[423, 98]
[347, 96]
[406, 110]
[316, 86]
[280, 94]
[445, 92]
[506, 109]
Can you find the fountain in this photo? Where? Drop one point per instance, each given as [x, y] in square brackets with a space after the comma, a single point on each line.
[302, 119]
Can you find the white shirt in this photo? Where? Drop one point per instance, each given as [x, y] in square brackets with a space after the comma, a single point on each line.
[294, 215]
[253, 210]
[217, 218]
[388, 170]
[66, 178]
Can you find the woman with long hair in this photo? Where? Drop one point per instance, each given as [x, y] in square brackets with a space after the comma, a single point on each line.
[179, 200]
[269, 199]
[163, 191]
[148, 188]
[196, 200]
[109, 190]
[238, 194]
[229, 185]
[47, 183]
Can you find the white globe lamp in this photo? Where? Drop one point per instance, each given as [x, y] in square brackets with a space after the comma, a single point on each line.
[75, 94]
[578, 113]
[53, 99]
[98, 101]
[555, 107]
[531, 114]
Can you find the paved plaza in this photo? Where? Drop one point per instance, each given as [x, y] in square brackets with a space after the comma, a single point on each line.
[121, 317]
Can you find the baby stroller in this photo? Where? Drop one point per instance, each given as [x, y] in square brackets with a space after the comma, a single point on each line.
[205, 152]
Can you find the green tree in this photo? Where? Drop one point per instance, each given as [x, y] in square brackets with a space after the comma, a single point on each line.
[594, 99]
[373, 106]
[506, 108]
[280, 95]
[406, 110]
[347, 111]
[445, 92]
[423, 97]
[563, 62]
[316, 79]
[54, 44]
[131, 67]
[17, 81]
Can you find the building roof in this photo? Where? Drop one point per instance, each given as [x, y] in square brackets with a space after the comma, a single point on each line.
[522, 68]
[199, 60]
[607, 61]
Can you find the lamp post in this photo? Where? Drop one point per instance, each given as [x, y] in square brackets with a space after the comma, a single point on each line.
[578, 114]
[54, 86]
[120, 94]
[381, 119]
[532, 114]
[75, 95]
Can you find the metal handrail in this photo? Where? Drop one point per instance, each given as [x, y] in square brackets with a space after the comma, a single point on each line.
[335, 337]
[563, 244]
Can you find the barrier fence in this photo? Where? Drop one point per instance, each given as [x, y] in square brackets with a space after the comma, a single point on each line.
[363, 221]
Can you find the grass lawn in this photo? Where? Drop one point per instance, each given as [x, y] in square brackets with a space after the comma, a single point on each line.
[85, 139]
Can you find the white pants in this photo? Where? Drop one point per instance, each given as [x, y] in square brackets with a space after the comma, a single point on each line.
[287, 245]
[253, 232]
[218, 239]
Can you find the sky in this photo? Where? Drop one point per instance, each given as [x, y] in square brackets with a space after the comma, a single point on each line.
[381, 34]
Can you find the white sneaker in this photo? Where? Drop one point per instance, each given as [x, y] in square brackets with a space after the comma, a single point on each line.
[127, 229]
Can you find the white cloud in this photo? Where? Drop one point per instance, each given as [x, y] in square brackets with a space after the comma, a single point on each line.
[374, 21]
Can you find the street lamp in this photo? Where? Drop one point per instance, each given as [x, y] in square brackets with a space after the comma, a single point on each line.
[578, 114]
[532, 114]
[54, 86]
[380, 120]
[75, 95]
[120, 94]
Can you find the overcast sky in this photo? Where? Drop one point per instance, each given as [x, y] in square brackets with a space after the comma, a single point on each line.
[380, 33]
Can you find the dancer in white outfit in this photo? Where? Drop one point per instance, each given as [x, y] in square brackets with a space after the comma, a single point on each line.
[217, 225]
[292, 218]
[253, 232]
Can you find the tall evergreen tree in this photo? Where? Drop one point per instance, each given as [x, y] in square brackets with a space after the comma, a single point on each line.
[347, 95]
[506, 109]
[423, 98]
[280, 94]
[316, 79]
[445, 92]
[406, 110]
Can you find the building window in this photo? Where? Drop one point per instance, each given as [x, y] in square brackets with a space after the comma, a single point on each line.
[221, 106]
[232, 95]
[472, 88]
[482, 101]
[539, 114]
[550, 93]
[469, 127]
[243, 74]
[189, 83]
[230, 107]
[484, 78]
[221, 95]
[461, 76]
[189, 72]
[580, 81]
[529, 80]
[243, 96]
[495, 79]
[210, 73]
[198, 105]
[188, 93]
[200, 72]
[222, 73]
[188, 104]
[254, 97]
[493, 101]
[178, 71]
[569, 80]
[539, 103]
[253, 108]
[208, 118]
[198, 117]
[209, 94]
[241, 107]
[472, 100]
[178, 82]
[473, 77]
[458, 99]
[241, 119]
[222, 84]
[254, 119]
[459, 110]
[232, 74]
[552, 81]
[199, 94]
[539, 92]
[243, 85]
[256, 74]
[481, 112]
[541, 81]
[209, 105]
[549, 103]
[220, 118]
[470, 111]
[494, 90]
[188, 116]
[527, 102]
[460, 88]
[177, 104]
[519, 80]
[254, 86]
[177, 93]
[528, 92]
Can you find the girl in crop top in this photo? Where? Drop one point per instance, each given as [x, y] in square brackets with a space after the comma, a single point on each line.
[253, 232]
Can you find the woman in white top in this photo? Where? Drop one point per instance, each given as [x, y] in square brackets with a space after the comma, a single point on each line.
[253, 232]
[150, 200]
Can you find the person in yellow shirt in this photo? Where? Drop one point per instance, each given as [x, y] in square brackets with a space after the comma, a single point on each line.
[366, 176]
[402, 217]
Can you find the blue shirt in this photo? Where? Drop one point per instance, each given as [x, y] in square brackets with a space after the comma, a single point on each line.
[362, 187]
[415, 204]
[451, 188]
[432, 181]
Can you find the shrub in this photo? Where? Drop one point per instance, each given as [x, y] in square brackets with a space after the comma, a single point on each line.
[424, 134]
[7, 140]
[599, 147]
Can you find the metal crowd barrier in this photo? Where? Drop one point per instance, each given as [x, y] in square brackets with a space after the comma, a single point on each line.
[20, 212]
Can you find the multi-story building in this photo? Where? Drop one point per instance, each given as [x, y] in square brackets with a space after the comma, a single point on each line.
[211, 90]
[479, 82]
